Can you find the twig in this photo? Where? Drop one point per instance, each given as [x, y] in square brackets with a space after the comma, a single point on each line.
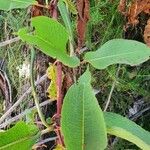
[8, 122]
[112, 89]
[43, 142]
[43, 78]
[42, 6]
[110, 94]
[9, 41]
[36, 99]
[138, 114]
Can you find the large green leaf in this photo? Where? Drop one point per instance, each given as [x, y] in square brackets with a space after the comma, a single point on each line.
[12, 4]
[51, 37]
[118, 51]
[82, 120]
[126, 129]
[19, 137]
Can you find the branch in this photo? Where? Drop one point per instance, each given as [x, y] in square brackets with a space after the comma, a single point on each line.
[43, 78]
[112, 89]
[5, 43]
[43, 142]
[8, 122]
[36, 99]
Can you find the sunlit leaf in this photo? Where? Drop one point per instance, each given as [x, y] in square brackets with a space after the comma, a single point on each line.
[126, 129]
[12, 4]
[19, 137]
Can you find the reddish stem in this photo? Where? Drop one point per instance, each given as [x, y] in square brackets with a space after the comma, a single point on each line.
[54, 14]
[59, 88]
[53, 9]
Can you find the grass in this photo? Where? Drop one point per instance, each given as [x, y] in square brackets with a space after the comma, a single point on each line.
[14, 54]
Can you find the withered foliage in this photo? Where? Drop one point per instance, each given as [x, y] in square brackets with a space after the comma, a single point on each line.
[147, 33]
[83, 7]
[132, 11]
[122, 6]
[36, 10]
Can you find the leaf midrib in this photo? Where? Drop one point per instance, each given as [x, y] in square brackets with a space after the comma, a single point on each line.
[83, 123]
[96, 59]
[47, 42]
[18, 141]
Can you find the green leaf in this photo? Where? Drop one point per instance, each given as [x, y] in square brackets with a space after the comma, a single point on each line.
[82, 120]
[51, 37]
[126, 129]
[12, 4]
[66, 18]
[19, 137]
[118, 51]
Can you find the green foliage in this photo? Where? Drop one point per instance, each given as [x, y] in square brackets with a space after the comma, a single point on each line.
[118, 51]
[71, 6]
[105, 22]
[19, 137]
[12, 4]
[126, 129]
[51, 37]
[82, 121]
[65, 15]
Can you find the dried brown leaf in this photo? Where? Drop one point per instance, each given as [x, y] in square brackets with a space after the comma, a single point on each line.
[147, 33]
[122, 7]
[135, 8]
[36, 10]
[83, 7]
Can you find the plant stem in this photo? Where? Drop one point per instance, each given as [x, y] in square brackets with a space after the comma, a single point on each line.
[42, 6]
[54, 14]
[36, 99]
[59, 88]
[47, 130]
[7, 42]
[43, 142]
[112, 89]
